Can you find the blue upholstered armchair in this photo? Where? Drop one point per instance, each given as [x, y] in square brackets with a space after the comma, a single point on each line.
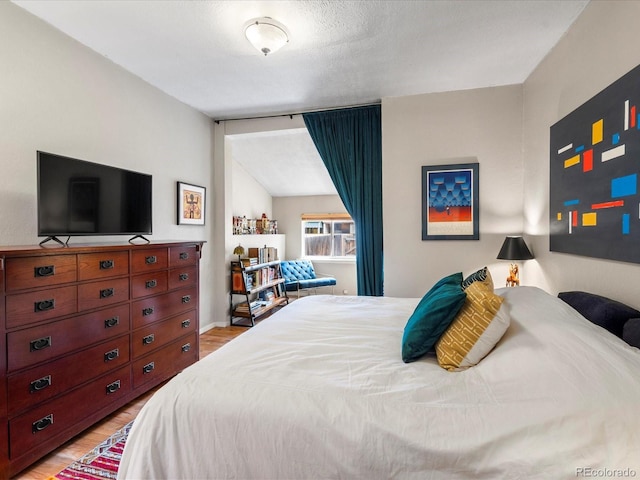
[300, 275]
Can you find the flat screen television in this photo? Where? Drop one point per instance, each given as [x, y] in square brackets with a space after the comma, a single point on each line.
[77, 197]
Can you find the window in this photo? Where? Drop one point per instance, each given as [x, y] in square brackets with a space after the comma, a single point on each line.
[328, 236]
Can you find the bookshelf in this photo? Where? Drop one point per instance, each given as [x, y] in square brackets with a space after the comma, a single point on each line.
[256, 288]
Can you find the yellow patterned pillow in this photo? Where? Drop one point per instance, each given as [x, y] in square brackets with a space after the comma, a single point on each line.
[474, 332]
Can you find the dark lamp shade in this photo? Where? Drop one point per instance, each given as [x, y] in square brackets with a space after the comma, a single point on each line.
[239, 250]
[514, 248]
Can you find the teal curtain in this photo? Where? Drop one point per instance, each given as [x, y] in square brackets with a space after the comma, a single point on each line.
[350, 144]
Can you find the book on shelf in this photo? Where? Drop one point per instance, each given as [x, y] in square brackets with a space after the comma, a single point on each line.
[267, 296]
[249, 262]
[264, 254]
[263, 276]
[241, 308]
[244, 307]
[237, 283]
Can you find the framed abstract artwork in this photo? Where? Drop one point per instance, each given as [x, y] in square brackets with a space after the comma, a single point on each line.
[594, 199]
[191, 204]
[450, 202]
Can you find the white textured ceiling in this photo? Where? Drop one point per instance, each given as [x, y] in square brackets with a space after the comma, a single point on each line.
[340, 52]
[290, 168]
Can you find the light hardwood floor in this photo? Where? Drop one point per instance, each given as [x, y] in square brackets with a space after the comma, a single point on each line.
[90, 438]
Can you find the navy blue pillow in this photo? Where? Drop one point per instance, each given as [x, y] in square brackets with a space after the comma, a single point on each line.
[602, 311]
[434, 313]
[631, 332]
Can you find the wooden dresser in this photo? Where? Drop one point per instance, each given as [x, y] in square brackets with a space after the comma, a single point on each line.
[85, 329]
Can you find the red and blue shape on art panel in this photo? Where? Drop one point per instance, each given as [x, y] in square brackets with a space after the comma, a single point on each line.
[594, 196]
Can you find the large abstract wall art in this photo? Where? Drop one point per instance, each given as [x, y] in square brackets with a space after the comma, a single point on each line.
[450, 202]
[594, 200]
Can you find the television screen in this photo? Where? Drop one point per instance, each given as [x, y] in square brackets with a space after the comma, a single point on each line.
[76, 197]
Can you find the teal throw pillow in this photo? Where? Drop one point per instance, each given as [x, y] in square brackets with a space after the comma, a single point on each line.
[433, 315]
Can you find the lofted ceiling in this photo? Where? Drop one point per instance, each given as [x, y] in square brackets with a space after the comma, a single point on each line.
[287, 162]
[340, 53]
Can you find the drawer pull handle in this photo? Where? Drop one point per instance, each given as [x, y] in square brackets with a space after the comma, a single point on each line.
[44, 305]
[45, 271]
[106, 264]
[107, 292]
[39, 344]
[113, 387]
[151, 284]
[184, 255]
[148, 368]
[40, 384]
[148, 339]
[42, 423]
[112, 355]
[147, 311]
[150, 260]
[186, 299]
[183, 277]
[111, 322]
[186, 323]
[186, 347]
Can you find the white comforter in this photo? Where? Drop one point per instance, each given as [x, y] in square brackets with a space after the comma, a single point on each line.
[320, 391]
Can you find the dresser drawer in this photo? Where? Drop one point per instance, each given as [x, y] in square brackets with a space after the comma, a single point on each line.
[149, 283]
[149, 259]
[183, 277]
[153, 309]
[165, 362]
[92, 266]
[183, 255]
[30, 429]
[32, 307]
[101, 294]
[38, 344]
[159, 334]
[34, 272]
[41, 383]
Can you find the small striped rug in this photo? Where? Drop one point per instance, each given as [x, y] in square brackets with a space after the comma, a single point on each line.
[101, 463]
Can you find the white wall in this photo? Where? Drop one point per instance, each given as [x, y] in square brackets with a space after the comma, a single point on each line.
[600, 47]
[58, 96]
[249, 198]
[482, 125]
[288, 211]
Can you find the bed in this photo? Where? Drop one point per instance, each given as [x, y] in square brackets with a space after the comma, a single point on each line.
[319, 391]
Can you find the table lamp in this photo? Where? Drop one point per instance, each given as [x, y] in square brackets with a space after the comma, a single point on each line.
[239, 250]
[514, 248]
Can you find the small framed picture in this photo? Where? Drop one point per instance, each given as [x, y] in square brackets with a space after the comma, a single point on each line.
[450, 202]
[191, 204]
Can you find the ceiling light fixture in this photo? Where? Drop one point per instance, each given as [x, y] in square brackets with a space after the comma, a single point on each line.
[267, 35]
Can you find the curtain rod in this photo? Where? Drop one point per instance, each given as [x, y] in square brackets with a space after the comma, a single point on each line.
[301, 112]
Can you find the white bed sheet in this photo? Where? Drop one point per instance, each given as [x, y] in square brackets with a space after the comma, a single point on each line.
[319, 390]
